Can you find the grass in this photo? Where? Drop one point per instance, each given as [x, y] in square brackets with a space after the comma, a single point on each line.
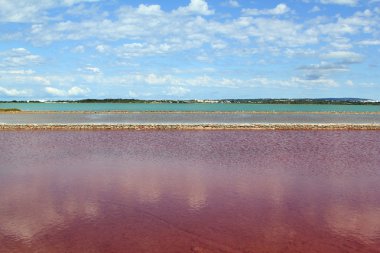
[9, 110]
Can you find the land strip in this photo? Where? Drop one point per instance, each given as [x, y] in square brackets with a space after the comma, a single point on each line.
[5, 127]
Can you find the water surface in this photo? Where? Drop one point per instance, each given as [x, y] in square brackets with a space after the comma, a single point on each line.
[167, 118]
[189, 191]
[197, 107]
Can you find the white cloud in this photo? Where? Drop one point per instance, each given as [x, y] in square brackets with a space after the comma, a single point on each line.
[306, 83]
[189, 33]
[361, 22]
[85, 10]
[350, 83]
[324, 67]
[17, 72]
[149, 9]
[345, 56]
[177, 91]
[195, 7]
[23, 77]
[280, 32]
[93, 69]
[14, 92]
[369, 43]
[232, 3]
[322, 71]
[30, 11]
[55, 91]
[341, 2]
[76, 91]
[40, 79]
[342, 44]
[173, 85]
[155, 79]
[144, 49]
[102, 48]
[169, 32]
[72, 2]
[280, 9]
[79, 49]
[132, 94]
[18, 57]
[315, 9]
[73, 91]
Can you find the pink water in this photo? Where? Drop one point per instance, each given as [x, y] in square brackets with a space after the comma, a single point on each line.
[189, 191]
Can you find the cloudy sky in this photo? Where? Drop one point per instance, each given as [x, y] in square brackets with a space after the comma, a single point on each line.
[156, 49]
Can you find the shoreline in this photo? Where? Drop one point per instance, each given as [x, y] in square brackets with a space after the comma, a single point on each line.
[186, 112]
[137, 127]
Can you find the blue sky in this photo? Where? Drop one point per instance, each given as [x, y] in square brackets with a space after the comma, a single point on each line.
[154, 49]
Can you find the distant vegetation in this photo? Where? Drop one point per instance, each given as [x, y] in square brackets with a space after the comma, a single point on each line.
[9, 110]
[332, 101]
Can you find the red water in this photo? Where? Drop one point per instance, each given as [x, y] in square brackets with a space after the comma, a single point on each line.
[190, 191]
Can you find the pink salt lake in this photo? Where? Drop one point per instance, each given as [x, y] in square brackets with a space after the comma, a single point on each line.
[189, 191]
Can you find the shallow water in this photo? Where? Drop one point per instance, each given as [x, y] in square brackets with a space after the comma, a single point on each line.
[204, 107]
[189, 191]
[187, 118]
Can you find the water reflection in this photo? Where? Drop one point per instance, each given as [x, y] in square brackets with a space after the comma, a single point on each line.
[229, 191]
[363, 222]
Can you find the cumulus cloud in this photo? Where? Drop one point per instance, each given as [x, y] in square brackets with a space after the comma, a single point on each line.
[143, 49]
[345, 57]
[73, 91]
[195, 7]
[102, 48]
[315, 9]
[149, 9]
[177, 91]
[132, 94]
[10, 92]
[184, 34]
[321, 71]
[182, 84]
[341, 2]
[76, 91]
[232, 3]
[361, 22]
[91, 69]
[168, 27]
[167, 32]
[324, 67]
[313, 83]
[17, 72]
[156, 79]
[369, 43]
[23, 77]
[55, 91]
[16, 57]
[280, 9]
[341, 43]
[27, 11]
[79, 49]
[350, 83]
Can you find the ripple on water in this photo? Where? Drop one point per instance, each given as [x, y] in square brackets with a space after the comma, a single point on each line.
[189, 191]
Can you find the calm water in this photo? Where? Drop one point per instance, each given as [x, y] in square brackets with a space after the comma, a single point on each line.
[189, 107]
[187, 118]
[189, 191]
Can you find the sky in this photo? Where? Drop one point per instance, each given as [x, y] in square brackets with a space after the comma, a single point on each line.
[189, 49]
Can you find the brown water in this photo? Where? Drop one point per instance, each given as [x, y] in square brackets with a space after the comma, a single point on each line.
[190, 191]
